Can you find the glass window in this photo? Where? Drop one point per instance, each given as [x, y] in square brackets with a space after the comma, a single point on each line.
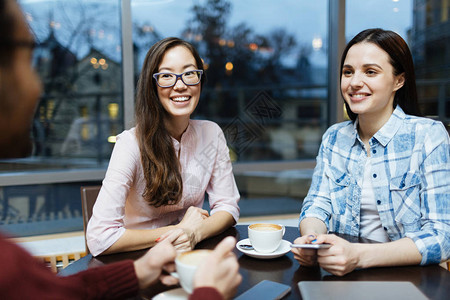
[425, 26]
[266, 69]
[79, 60]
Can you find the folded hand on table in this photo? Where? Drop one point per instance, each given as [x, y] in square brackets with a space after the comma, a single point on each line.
[191, 224]
[184, 237]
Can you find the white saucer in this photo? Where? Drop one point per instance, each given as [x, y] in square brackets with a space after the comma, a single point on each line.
[174, 294]
[284, 248]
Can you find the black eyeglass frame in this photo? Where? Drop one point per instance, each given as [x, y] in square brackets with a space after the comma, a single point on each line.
[155, 76]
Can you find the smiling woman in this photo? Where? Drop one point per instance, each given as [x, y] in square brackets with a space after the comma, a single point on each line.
[180, 98]
[160, 170]
[384, 174]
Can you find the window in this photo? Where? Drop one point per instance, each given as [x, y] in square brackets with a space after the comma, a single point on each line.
[265, 62]
[267, 70]
[79, 59]
[425, 26]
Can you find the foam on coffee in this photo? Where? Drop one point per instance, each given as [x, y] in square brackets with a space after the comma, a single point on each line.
[193, 257]
[265, 227]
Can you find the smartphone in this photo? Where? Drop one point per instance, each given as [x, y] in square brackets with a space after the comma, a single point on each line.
[311, 246]
[266, 289]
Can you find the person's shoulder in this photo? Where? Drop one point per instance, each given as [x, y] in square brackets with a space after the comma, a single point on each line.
[346, 127]
[341, 125]
[127, 136]
[424, 130]
[422, 124]
[421, 120]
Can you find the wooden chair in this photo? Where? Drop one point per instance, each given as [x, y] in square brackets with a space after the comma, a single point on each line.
[88, 196]
[58, 262]
[445, 265]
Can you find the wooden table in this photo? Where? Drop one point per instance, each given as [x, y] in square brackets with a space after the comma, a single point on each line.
[433, 280]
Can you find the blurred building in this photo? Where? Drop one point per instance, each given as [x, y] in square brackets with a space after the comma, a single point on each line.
[430, 46]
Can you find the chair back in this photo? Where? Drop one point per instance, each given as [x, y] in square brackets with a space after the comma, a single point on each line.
[88, 196]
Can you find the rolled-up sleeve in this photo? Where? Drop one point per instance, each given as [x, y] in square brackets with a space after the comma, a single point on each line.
[433, 239]
[106, 225]
[222, 190]
[317, 203]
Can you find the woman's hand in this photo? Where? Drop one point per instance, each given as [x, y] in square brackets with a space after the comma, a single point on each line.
[341, 258]
[191, 223]
[306, 257]
[180, 239]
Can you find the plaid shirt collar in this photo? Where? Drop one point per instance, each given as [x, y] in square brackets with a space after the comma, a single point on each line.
[387, 132]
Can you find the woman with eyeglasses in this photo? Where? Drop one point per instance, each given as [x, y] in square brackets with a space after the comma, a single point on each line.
[160, 170]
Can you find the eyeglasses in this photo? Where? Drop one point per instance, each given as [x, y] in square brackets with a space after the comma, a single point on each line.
[165, 80]
[21, 44]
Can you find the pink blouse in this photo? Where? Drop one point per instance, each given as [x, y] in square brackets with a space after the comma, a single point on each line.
[205, 167]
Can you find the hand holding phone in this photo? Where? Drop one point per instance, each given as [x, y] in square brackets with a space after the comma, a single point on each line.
[311, 246]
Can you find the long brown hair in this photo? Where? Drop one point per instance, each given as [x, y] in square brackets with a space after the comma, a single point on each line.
[400, 59]
[163, 182]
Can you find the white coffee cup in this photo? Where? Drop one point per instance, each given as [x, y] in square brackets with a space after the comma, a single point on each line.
[265, 237]
[187, 264]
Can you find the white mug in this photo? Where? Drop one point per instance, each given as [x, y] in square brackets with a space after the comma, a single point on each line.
[187, 264]
[265, 237]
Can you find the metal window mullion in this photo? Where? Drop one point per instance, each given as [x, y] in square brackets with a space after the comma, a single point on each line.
[336, 45]
[127, 65]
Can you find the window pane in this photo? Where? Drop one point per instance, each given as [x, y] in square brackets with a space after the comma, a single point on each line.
[79, 60]
[425, 26]
[266, 69]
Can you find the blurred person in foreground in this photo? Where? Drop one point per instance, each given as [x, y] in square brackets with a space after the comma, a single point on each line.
[383, 175]
[21, 275]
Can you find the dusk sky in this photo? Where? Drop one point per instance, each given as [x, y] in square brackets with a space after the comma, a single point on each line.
[305, 19]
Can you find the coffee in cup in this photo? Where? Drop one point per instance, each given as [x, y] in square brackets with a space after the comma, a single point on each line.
[265, 237]
[187, 264]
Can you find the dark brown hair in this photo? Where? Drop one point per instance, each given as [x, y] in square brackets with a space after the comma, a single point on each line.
[400, 59]
[8, 27]
[163, 182]
[7, 31]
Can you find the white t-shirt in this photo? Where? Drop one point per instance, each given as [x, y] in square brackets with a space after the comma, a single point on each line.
[370, 223]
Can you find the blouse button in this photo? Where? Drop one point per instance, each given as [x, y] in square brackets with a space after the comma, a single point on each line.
[374, 175]
[374, 151]
[378, 201]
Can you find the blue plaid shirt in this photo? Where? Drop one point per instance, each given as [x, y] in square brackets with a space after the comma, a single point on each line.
[410, 177]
